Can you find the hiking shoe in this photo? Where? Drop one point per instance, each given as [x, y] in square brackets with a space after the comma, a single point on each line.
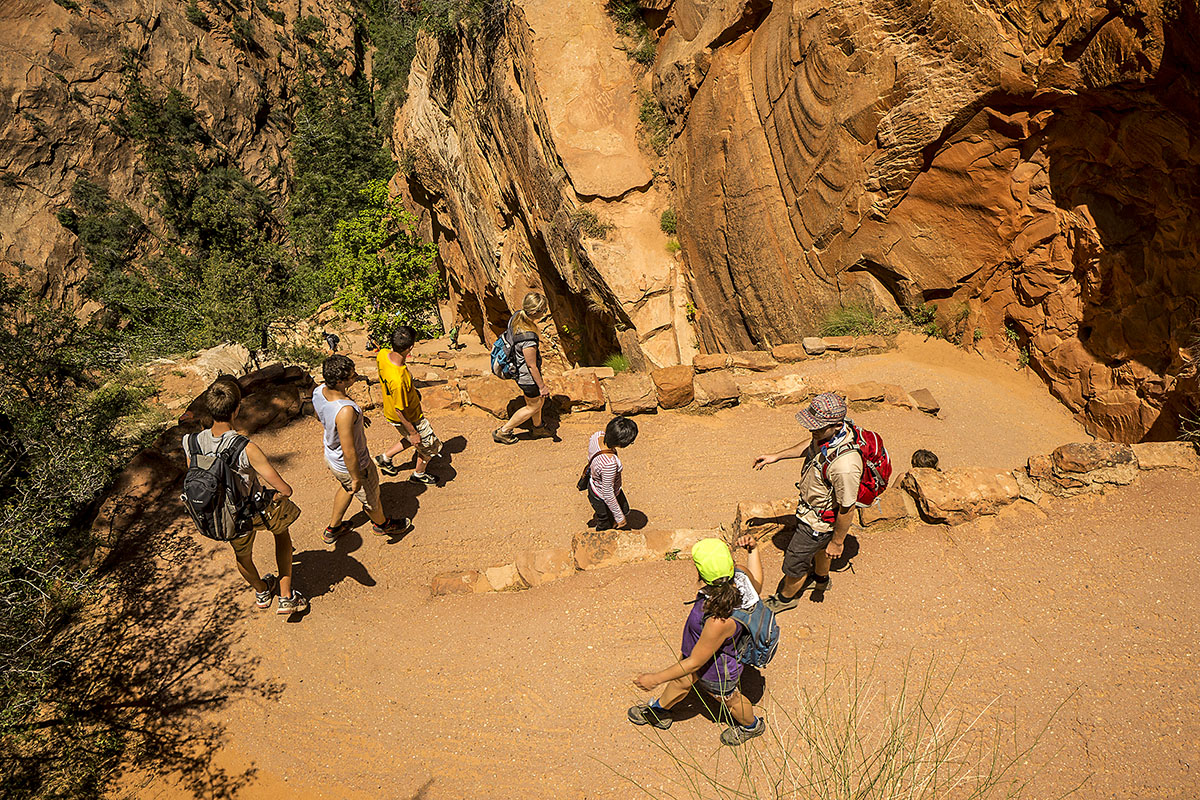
[332, 533]
[643, 714]
[779, 602]
[263, 599]
[386, 466]
[501, 436]
[736, 734]
[392, 527]
[292, 605]
[425, 478]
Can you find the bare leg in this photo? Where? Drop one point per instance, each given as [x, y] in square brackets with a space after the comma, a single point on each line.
[341, 502]
[250, 572]
[283, 562]
[821, 562]
[676, 690]
[398, 448]
[741, 709]
[537, 403]
[790, 586]
[533, 406]
[420, 465]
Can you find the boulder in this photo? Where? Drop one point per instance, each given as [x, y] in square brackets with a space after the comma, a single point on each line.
[680, 541]
[224, 359]
[491, 394]
[896, 396]
[674, 385]
[867, 392]
[577, 391]
[1084, 467]
[1027, 486]
[595, 549]
[894, 504]
[960, 495]
[925, 401]
[779, 390]
[505, 578]
[272, 373]
[716, 390]
[839, 344]
[703, 362]
[600, 373]
[459, 582]
[813, 345]
[368, 396]
[869, 343]
[764, 519]
[444, 397]
[1084, 457]
[1166, 455]
[754, 360]
[542, 566]
[269, 407]
[787, 353]
[631, 393]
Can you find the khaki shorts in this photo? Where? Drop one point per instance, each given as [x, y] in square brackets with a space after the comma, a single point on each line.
[281, 512]
[430, 444]
[368, 493]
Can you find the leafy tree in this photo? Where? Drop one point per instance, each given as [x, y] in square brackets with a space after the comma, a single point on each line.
[386, 275]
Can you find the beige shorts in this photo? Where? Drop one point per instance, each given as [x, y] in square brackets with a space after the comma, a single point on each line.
[280, 514]
[368, 493]
[430, 444]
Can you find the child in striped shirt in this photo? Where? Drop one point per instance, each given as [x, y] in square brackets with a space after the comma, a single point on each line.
[604, 474]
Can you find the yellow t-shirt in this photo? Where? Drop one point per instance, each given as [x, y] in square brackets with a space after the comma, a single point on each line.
[399, 394]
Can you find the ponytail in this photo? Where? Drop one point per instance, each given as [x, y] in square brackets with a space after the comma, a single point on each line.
[721, 597]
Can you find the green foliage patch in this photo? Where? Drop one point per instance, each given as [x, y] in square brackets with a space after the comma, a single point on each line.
[655, 127]
[667, 221]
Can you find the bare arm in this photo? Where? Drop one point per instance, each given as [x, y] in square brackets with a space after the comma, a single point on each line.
[262, 465]
[715, 632]
[795, 451]
[841, 527]
[530, 354]
[346, 417]
[754, 569]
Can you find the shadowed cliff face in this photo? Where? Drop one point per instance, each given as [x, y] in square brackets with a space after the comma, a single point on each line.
[62, 71]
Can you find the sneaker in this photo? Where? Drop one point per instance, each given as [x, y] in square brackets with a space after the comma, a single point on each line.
[736, 734]
[292, 605]
[643, 714]
[392, 527]
[263, 599]
[386, 466]
[501, 436]
[424, 478]
[331, 534]
[779, 602]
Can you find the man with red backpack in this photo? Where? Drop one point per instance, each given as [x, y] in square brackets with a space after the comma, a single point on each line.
[844, 467]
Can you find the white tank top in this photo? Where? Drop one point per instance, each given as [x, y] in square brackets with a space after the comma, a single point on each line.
[327, 411]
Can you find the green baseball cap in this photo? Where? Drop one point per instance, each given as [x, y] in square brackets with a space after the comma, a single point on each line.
[713, 559]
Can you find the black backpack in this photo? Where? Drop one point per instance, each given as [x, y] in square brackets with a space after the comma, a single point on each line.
[214, 494]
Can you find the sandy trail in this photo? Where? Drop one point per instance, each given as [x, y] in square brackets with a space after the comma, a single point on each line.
[387, 693]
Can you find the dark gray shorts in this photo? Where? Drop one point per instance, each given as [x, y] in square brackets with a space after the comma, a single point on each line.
[797, 561]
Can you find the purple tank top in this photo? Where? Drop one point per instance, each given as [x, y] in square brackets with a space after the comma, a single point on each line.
[723, 667]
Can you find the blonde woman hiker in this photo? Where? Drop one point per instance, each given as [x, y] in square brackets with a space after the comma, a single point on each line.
[526, 363]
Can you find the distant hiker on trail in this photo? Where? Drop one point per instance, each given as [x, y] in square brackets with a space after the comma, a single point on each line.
[925, 459]
[402, 407]
[708, 657]
[243, 461]
[829, 484]
[346, 452]
[602, 478]
[524, 346]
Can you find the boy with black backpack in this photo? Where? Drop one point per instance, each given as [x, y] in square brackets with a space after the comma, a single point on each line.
[223, 494]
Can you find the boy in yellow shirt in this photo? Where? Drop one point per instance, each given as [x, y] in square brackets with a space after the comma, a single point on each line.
[402, 407]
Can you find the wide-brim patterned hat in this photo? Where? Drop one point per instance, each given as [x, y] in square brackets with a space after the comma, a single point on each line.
[824, 410]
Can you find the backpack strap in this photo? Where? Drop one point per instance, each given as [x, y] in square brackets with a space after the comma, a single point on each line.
[191, 444]
[599, 453]
[853, 443]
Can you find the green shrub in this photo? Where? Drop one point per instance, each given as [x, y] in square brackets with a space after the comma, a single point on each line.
[197, 17]
[673, 245]
[640, 44]
[308, 25]
[304, 354]
[587, 224]
[858, 319]
[242, 33]
[978, 336]
[667, 221]
[69, 5]
[275, 16]
[655, 127]
[617, 363]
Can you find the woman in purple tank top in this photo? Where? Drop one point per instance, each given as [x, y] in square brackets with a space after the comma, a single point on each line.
[708, 656]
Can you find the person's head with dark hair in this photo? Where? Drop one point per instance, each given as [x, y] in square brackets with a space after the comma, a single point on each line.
[403, 338]
[925, 459]
[620, 432]
[338, 371]
[223, 398]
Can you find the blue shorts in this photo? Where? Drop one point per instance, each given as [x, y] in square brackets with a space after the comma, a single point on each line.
[720, 689]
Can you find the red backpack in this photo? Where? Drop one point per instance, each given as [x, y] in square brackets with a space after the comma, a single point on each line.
[877, 466]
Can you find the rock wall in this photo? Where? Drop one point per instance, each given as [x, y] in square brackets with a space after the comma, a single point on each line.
[61, 70]
[1029, 168]
[526, 170]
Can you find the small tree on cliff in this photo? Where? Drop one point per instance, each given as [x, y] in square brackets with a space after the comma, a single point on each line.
[385, 274]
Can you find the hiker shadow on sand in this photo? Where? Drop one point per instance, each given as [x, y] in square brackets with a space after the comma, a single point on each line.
[323, 569]
[442, 467]
[699, 704]
[840, 564]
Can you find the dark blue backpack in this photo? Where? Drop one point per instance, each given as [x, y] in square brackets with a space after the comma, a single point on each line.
[757, 644]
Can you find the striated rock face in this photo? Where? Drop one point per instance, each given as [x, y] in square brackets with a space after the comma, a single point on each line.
[62, 74]
[1030, 168]
[527, 171]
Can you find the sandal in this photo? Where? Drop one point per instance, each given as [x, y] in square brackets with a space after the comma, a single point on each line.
[332, 534]
[392, 527]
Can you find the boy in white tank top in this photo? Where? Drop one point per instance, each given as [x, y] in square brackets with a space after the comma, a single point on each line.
[346, 452]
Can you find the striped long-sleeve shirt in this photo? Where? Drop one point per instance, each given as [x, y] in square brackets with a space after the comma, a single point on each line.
[605, 477]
